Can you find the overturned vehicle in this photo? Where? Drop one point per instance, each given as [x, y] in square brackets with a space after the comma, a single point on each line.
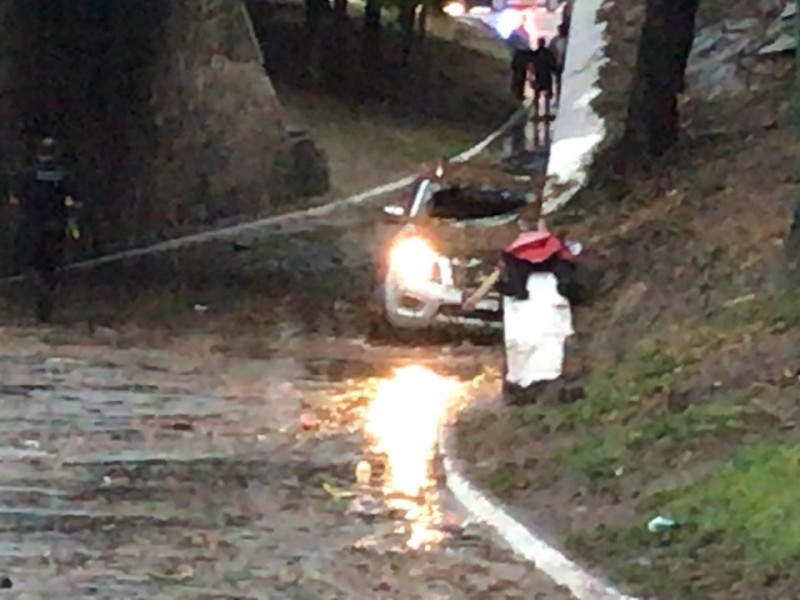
[445, 239]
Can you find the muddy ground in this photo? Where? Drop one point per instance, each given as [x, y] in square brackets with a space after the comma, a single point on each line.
[686, 366]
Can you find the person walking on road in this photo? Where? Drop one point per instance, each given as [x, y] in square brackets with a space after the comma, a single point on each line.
[544, 69]
[44, 193]
[558, 47]
[520, 45]
[520, 69]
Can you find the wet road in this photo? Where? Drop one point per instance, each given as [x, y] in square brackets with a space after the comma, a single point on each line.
[178, 473]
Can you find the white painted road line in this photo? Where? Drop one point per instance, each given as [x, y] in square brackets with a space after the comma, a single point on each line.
[524, 542]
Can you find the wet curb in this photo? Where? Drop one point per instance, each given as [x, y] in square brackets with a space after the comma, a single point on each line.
[522, 540]
[231, 233]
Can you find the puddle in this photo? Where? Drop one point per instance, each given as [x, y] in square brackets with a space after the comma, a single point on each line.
[402, 423]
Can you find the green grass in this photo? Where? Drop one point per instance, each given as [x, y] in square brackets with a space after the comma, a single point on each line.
[629, 446]
[367, 150]
[774, 310]
[740, 526]
[751, 505]
[617, 391]
[502, 480]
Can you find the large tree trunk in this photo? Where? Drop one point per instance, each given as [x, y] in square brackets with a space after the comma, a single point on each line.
[685, 40]
[653, 122]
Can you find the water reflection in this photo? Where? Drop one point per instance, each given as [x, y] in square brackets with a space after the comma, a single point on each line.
[402, 422]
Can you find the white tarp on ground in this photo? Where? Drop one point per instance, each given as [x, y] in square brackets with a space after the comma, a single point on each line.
[535, 330]
[577, 129]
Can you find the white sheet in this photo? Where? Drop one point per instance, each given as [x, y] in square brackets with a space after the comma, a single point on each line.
[535, 331]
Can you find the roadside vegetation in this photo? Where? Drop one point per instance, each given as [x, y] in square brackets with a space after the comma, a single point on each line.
[379, 119]
[686, 367]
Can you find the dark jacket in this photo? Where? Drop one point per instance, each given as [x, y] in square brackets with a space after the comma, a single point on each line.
[545, 66]
[515, 271]
[537, 252]
[42, 190]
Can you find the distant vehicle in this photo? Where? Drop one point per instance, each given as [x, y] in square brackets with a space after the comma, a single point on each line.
[448, 239]
[460, 8]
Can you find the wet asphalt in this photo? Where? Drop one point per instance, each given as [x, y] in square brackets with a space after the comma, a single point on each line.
[174, 474]
[183, 473]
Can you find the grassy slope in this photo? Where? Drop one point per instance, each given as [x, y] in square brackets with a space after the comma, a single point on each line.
[366, 152]
[690, 374]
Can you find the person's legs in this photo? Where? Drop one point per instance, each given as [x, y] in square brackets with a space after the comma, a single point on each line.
[518, 86]
[44, 289]
[519, 74]
[547, 93]
[558, 88]
[48, 259]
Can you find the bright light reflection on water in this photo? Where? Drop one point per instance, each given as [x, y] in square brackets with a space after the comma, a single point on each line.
[402, 422]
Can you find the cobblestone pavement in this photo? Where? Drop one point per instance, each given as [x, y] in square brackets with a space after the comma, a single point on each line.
[182, 474]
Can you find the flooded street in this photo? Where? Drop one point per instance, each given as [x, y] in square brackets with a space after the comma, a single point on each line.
[183, 474]
[167, 463]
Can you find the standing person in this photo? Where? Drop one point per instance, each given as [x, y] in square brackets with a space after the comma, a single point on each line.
[533, 277]
[558, 47]
[520, 45]
[520, 67]
[544, 69]
[44, 192]
[566, 15]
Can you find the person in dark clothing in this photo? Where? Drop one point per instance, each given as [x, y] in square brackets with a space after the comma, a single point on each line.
[544, 71]
[558, 46]
[533, 278]
[520, 44]
[519, 38]
[44, 193]
[566, 16]
[520, 67]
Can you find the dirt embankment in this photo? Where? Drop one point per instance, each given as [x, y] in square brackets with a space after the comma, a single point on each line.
[688, 367]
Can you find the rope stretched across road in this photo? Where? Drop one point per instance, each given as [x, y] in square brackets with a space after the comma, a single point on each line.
[232, 232]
